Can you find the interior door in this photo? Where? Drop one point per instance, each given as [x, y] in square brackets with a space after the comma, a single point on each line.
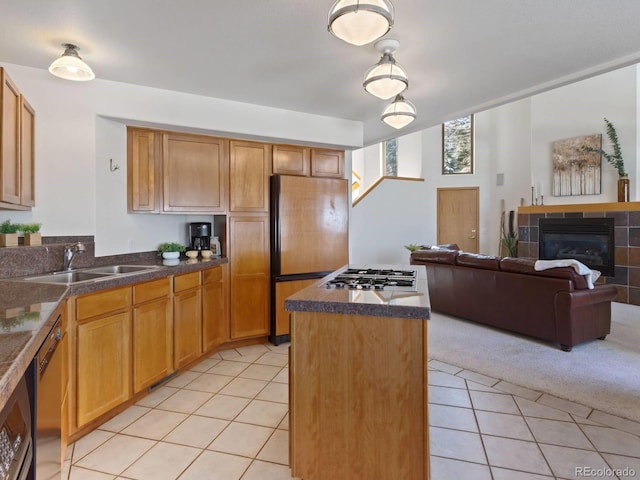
[458, 212]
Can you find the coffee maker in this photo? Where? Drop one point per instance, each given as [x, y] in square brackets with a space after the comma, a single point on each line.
[200, 236]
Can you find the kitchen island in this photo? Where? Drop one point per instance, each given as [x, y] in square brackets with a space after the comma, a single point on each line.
[358, 382]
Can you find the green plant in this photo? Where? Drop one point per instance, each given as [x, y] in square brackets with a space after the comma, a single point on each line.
[29, 227]
[170, 247]
[509, 235]
[614, 159]
[8, 227]
[412, 247]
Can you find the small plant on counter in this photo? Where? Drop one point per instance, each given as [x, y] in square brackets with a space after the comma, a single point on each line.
[9, 234]
[31, 233]
[29, 227]
[171, 249]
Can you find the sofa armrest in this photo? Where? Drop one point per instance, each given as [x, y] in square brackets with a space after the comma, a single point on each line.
[599, 294]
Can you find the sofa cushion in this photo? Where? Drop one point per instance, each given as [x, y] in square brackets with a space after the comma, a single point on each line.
[476, 260]
[526, 265]
[434, 256]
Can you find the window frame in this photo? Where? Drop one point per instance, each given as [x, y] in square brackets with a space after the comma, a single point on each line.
[471, 149]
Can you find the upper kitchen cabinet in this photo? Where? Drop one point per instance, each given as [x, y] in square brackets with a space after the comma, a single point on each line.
[144, 148]
[306, 161]
[291, 160]
[327, 163]
[175, 173]
[193, 173]
[249, 171]
[16, 147]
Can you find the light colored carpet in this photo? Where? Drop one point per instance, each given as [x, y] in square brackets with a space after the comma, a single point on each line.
[604, 375]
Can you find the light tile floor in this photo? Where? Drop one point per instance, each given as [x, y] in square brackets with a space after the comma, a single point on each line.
[226, 419]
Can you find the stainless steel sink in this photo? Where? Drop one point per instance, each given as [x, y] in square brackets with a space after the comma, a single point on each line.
[67, 277]
[120, 269]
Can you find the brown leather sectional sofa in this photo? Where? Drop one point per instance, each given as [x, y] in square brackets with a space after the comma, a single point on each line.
[505, 292]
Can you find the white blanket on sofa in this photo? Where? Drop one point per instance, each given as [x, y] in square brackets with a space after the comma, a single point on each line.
[581, 269]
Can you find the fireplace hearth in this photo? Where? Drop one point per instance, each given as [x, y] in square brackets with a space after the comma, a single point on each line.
[589, 240]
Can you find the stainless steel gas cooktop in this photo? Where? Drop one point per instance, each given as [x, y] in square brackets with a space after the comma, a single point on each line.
[355, 278]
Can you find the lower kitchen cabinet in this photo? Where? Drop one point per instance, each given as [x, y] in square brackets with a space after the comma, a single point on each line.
[152, 333]
[187, 319]
[215, 329]
[103, 365]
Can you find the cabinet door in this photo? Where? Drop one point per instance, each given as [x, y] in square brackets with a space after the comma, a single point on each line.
[249, 170]
[282, 316]
[291, 160]
[143, 170]
[187, 327]
[152, 343]
[9, 140]
[27, 153]
[193, 169]
[214, 326]
[327, 163]
[249, 275]
[103, 365]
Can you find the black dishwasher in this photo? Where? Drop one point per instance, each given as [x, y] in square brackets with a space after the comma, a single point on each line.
[48, 366]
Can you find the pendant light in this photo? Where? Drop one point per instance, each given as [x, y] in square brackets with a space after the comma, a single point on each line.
[386, 79]
[70, 66]
[400, 113]
[360, 21]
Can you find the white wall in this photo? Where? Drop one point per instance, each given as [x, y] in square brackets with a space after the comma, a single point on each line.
[80, 126]
[513, 140]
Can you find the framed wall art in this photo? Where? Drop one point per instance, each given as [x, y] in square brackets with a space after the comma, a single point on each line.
[576, 171]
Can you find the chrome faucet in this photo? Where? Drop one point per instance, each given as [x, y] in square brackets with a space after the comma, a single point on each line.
[69, 253]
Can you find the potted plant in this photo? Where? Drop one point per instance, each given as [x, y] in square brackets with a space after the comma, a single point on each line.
[171, 250]
[616, 160]
[31, 233]
[8, 234]
[412, 247]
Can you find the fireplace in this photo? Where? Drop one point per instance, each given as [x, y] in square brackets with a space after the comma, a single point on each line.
[588, 240]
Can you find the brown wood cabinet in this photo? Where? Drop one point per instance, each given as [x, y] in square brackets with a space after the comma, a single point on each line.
[152, 333]
[144, 170]
[306, 161]
[327, 163]
[248, 247]
[103, 355]
[215, 326]
[16, 147]
[187, 319]
[358, 397]
[281, 326]
[194, 172]
[175, 173]
[291, 160]
[249, 171]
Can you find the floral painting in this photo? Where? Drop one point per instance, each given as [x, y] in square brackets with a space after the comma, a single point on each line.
[576, 171]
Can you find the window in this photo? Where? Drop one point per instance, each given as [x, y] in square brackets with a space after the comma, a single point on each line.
[457, 146]
[390, 158]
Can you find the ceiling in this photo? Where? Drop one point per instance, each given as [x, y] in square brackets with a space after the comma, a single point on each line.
[462, 56]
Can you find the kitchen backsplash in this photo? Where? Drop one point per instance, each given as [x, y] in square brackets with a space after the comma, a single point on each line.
[48, 257]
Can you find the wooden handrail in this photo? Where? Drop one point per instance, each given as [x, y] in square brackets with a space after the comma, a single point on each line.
[378, 181]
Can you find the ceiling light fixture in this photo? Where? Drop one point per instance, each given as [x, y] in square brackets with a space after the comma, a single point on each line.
[360, 21]
[399, 113]
[386, 78]
[70, 66]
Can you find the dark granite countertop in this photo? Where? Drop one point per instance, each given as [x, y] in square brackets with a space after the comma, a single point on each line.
[379, 303]
[27, 312]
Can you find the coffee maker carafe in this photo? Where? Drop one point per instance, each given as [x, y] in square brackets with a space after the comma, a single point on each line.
[200, 236]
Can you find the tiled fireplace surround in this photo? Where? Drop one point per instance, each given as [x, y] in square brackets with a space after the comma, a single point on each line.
[627, 239]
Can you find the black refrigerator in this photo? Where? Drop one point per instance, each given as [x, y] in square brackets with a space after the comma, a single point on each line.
[309, 238]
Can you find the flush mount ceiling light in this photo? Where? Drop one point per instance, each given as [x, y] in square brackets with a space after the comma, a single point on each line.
[360, 21]
[70, 66]
[400, 113]
[386, 78]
